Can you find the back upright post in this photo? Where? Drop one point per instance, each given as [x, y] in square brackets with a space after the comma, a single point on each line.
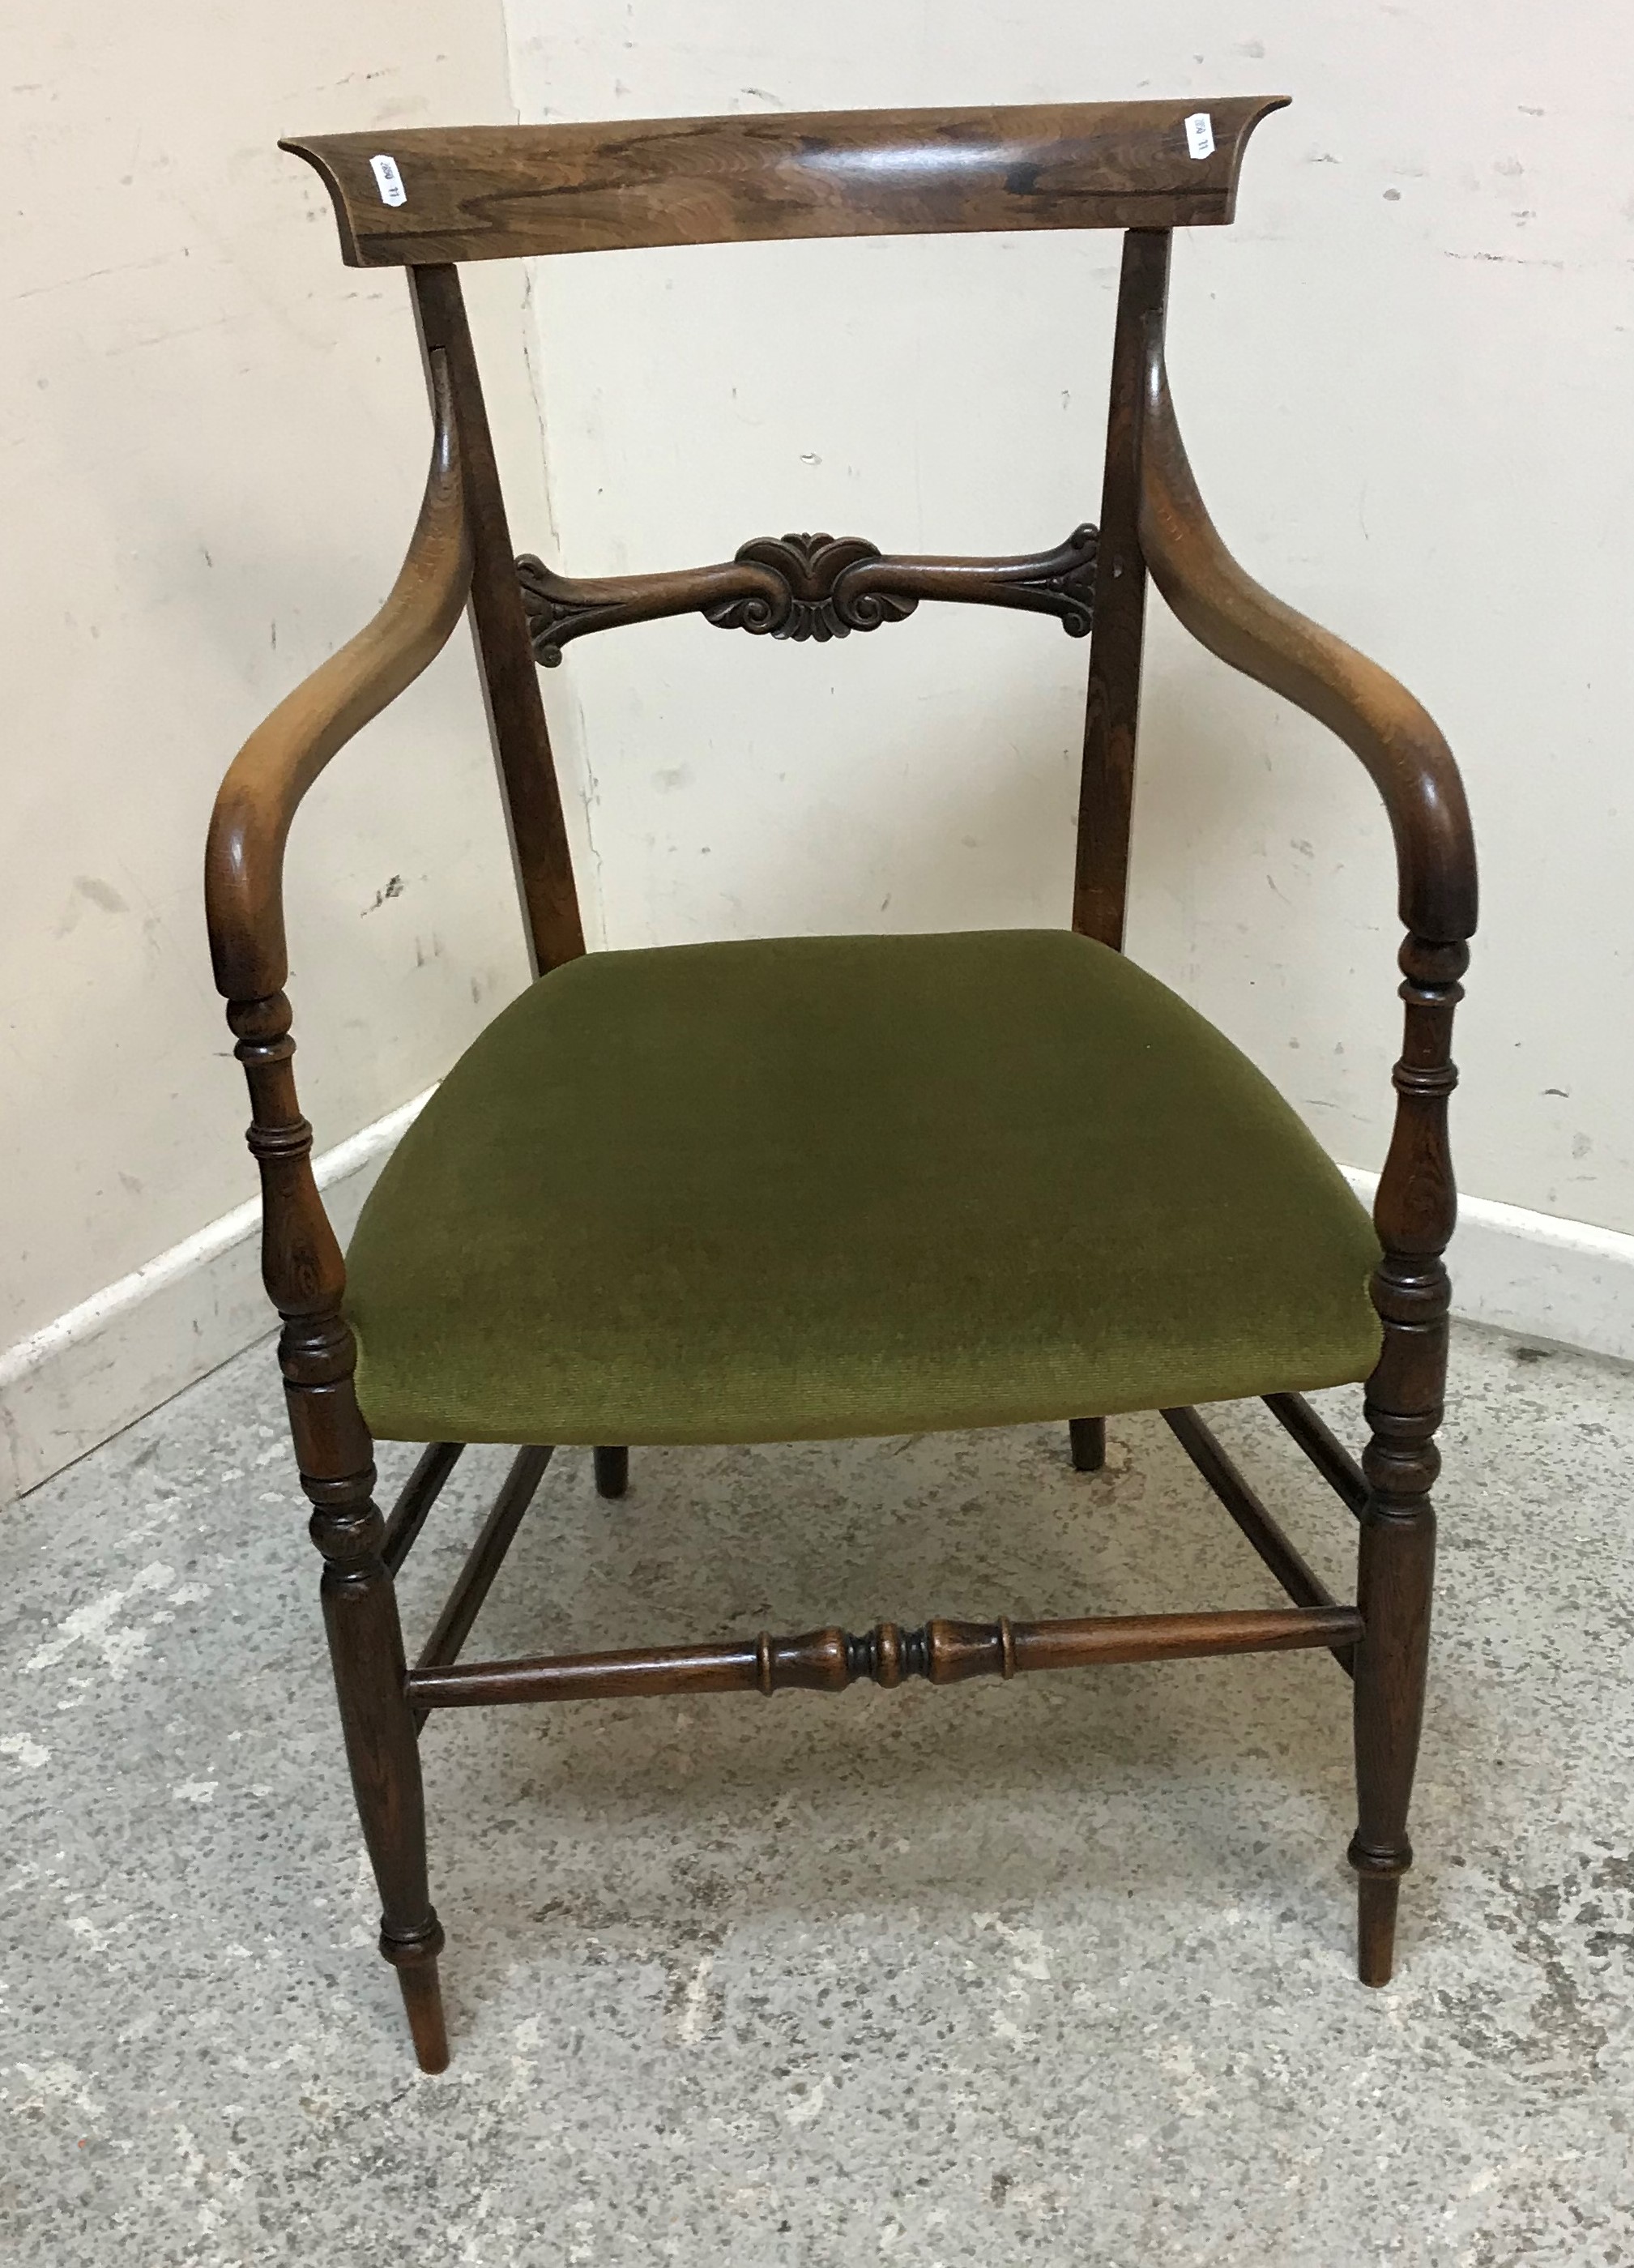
[515, 714]
[1106, 801]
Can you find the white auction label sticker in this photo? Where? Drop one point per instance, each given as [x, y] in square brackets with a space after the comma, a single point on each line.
[389, 182]
[1199, 140]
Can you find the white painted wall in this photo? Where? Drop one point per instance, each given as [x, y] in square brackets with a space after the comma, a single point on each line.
[1405, 378]
[215, 439]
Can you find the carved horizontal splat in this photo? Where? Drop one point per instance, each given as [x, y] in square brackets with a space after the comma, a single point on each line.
[505, 192]
[810, 586]
[828, 1660]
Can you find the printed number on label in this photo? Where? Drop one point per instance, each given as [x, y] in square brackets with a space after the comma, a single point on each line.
[389, 182]
[1199, 140]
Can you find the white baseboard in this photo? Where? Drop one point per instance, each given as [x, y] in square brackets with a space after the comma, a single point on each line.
[1563, 1280]
[108, 1362]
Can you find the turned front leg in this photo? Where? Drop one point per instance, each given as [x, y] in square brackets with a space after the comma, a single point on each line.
[1415, 1211]
[304, 1273]
[382, 1746]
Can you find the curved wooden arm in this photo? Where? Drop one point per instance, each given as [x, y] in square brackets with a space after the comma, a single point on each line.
[1222, 605]
[272, 771]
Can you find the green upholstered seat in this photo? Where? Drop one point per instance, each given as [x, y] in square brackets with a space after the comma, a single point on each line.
[812, 1186]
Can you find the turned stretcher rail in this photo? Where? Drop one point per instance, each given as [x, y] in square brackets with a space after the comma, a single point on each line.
[828, 1660]
[799, 586]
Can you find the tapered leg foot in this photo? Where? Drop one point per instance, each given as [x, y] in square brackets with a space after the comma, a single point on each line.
[1414, 1213]
[422, 2003]
[366, 1651]
[612, 1471]
[1376, 1896]
[1089, 1443]
[1393, 1591]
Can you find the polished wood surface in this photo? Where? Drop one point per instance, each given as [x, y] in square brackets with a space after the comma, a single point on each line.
[800, 587]
[500, 192]
[541, 860]
[1415, 1211]
[258, 800]
[828, 1660]
[1232, 614]
[305, 1277]
[490, 192]
[1111, 708]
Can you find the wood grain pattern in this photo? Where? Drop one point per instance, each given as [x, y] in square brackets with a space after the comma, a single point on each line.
[826, 1660]
[258, 800]
[501, 192]
[1406, 758]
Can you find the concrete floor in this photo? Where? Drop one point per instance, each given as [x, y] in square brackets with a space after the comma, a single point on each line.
[1057, 1971]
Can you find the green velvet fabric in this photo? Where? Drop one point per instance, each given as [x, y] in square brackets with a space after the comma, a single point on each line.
[813, 1187]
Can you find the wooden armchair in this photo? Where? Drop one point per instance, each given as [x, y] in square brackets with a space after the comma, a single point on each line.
[825, 1186]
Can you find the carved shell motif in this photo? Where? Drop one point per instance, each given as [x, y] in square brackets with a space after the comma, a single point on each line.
[811, 569]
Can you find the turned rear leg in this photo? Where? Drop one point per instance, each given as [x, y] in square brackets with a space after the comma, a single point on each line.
[612, 1471]
[1089, 1443]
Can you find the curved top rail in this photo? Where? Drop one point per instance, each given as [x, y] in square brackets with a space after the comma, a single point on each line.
[426, 195]
[262, 790]
[1235, 617]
